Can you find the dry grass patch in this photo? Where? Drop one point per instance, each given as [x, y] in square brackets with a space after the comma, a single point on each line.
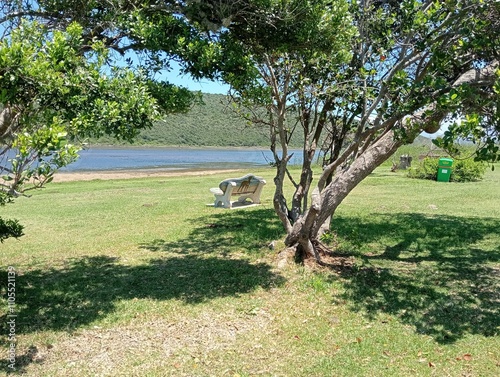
[174, 345]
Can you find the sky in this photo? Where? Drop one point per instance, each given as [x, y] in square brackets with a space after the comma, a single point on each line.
[205, 86]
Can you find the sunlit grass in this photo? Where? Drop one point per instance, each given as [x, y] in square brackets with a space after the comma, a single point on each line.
[139, 277]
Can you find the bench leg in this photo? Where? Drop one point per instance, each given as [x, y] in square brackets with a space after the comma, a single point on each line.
[222, 201]
[255, 197]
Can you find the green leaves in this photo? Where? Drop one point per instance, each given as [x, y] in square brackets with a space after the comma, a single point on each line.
[59, 84]
[40, 154]
[10, 228]
[55, 89]
[475, 129]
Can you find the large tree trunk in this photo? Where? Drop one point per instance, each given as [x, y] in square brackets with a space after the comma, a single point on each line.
[305, 234]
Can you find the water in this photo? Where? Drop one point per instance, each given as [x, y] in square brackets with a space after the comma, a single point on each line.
[96, 159]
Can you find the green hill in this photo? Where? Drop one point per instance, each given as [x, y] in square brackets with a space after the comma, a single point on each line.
[212, 123]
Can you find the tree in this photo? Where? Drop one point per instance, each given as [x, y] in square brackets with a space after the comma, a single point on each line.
[62, 81]
[360, 79]
[52, 94]
[357, 79]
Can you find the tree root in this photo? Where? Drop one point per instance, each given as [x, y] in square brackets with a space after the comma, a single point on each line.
[323, 256]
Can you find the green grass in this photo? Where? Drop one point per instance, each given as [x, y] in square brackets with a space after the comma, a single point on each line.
[140, 278]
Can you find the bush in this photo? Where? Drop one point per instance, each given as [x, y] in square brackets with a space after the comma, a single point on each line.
[466, 170]
[426, 169]
[9, 228]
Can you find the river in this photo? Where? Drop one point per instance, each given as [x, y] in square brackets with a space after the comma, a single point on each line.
[100, 159]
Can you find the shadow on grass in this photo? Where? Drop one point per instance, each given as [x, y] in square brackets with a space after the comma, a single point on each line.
[88, 289]
[439, 274]
[225, 232]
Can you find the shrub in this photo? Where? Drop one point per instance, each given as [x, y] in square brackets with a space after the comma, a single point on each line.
[466, 170]
[426, 169]
[10, 228]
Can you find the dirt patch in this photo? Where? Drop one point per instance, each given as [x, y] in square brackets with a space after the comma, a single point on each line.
[131, 174]
[163, 344]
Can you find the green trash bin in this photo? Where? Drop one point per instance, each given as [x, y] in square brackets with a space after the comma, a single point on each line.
[444, 169]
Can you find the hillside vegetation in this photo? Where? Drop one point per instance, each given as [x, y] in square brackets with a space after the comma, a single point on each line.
[211, 123]
[214, 123]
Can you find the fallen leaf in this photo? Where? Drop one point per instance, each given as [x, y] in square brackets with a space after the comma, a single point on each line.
[432, 365]
[467, 357]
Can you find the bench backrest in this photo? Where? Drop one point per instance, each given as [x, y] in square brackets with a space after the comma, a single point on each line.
[247, 184]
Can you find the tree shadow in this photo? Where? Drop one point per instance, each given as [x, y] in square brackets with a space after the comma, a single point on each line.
[441, 276]
[225, 232]
[87, 289]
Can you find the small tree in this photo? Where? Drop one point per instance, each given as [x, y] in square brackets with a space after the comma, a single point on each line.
[52, 94]
[61, 82]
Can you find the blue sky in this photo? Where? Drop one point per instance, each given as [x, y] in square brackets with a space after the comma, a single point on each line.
[205, 86]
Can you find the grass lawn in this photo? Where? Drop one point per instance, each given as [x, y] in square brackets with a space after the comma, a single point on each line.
[139, 277]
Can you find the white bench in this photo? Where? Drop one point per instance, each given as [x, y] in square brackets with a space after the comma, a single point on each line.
[246, 187]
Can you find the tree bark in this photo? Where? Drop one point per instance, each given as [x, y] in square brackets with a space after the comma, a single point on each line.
[7, 122]
[326, 198]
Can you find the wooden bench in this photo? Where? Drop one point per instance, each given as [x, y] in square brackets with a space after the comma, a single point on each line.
[246, 187]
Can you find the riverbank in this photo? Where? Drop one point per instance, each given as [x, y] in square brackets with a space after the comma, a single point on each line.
[134, 173]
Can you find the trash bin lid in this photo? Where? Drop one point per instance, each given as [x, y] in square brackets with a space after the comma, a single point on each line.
[445, 162]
